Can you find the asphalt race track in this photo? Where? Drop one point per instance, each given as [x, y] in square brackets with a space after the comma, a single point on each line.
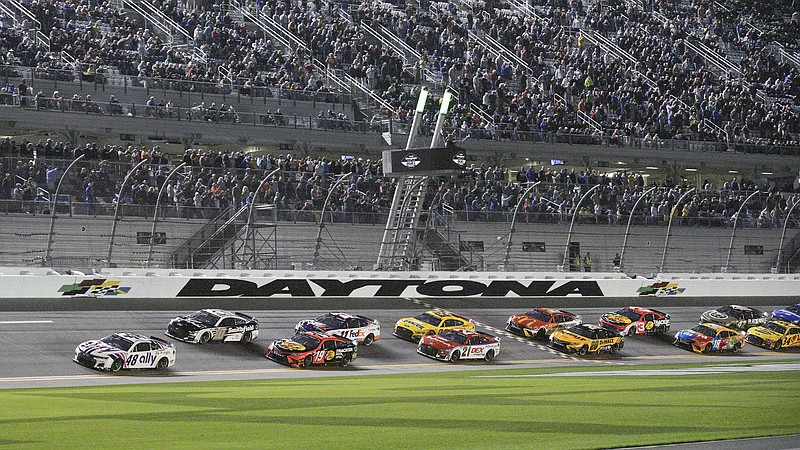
[36, 348]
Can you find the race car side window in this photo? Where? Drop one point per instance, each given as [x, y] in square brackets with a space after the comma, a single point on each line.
[794, 331]
[649, 317]
[352, 323]
[227, 322]
[451, 323]
[142, 347]
[329, 344]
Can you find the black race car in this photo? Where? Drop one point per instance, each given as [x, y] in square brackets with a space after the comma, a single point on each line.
[310, 348]
[213, 325]
[735, 316]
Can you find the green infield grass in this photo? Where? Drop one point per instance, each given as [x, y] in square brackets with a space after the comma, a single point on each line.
[422, 410]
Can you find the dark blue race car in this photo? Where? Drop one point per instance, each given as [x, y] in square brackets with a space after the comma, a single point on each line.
[788, 314]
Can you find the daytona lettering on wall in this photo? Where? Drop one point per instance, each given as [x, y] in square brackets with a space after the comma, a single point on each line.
[226, 287]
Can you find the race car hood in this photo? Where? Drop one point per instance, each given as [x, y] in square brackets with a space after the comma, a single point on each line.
[187, 323]
[312, 325]
[787, 315]
[526, 320]
[413, 324]
[288, 345]
[689, 335]
[98, 348]
[714, 316]
[439, 342]
[616, 318]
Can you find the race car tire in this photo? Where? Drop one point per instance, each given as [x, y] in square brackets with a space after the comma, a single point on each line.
[455, 356]
[541, 334]
[736, 347]
[583, 350]
[346, 359]
[489, 355]
[777, 345]
[369, 339]
[631, 331]
[204, 338]
[613, 349]
[306, 361]
[162, 364]
[247, 337]
[707, 349]
[116, 365]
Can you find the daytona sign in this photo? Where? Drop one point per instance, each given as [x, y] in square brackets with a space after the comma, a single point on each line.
[226, 287]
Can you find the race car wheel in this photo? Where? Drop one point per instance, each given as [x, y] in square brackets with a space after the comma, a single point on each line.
[541, 334]
[777, 345]
[247, 336]
[204, 338]
[306, 361]
[489, 355]
[369, 339]
[583, 350]
[162, 364]
[116, 365]
[631, 330]
[346, 359]
[736, 347]
[707, 348]
[613, 349]
[455, 356]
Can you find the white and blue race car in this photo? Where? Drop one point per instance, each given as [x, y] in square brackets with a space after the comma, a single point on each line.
[354, 327]
[125, 351]
[208, 325]
[789, 314]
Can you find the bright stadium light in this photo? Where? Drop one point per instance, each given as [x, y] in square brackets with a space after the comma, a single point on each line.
[423, 97]
[445, 102]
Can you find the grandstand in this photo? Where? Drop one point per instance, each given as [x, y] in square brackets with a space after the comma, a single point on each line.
[625, 95]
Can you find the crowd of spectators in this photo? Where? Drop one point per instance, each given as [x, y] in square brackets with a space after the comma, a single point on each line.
[213, 182]
[551, 75]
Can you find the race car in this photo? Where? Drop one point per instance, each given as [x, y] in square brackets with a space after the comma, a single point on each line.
[635, 320]
[457, 344]
[125, 351]
[312, 348]
[709, 337]
[585, 338]
[358, 328]
[208, 325]
[735, 316]
[774, 335]
[541, 322]
[428, 323]
[788, 314]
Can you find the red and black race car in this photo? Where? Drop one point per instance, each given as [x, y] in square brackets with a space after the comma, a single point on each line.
[541, 322]
[311, 348]
[636, 320]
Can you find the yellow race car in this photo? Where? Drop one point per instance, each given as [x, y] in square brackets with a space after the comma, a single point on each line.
[584, 338]
[774, 335]
[429, 323]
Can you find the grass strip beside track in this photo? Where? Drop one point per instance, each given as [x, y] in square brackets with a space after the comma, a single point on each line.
[421, 410]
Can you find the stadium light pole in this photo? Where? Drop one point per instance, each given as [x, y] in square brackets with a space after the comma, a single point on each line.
[783, 234]
[250, 234]
[669, 227]
[572, 222]
[733, 232]
[443, 110]
[513, 221]
[46, 259]
[117, 208]
[322, 216]
[155, 215]
[628, 228]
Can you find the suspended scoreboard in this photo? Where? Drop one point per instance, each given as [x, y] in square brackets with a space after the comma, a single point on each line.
[424, 161]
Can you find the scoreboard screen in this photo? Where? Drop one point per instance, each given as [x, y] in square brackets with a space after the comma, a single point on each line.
[424, 161]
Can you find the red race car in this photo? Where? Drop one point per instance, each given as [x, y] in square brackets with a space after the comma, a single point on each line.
[635, 320]
[454, 345]
[541, 322]
[309, 348]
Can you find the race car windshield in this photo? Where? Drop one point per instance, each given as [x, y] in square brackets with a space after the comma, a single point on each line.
[775, 327]
[702, 329]
[429, 319]
[453, 336]
[204, 318]
[331, 321]
[794, 308]
[630, 314]
[306, 340]
[538, 315]
[117, 342]
[731, 311]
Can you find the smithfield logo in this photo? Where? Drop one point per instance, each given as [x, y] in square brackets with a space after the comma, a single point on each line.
[98, 287]
[661, 289]
[411, 160]
[460, 158]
